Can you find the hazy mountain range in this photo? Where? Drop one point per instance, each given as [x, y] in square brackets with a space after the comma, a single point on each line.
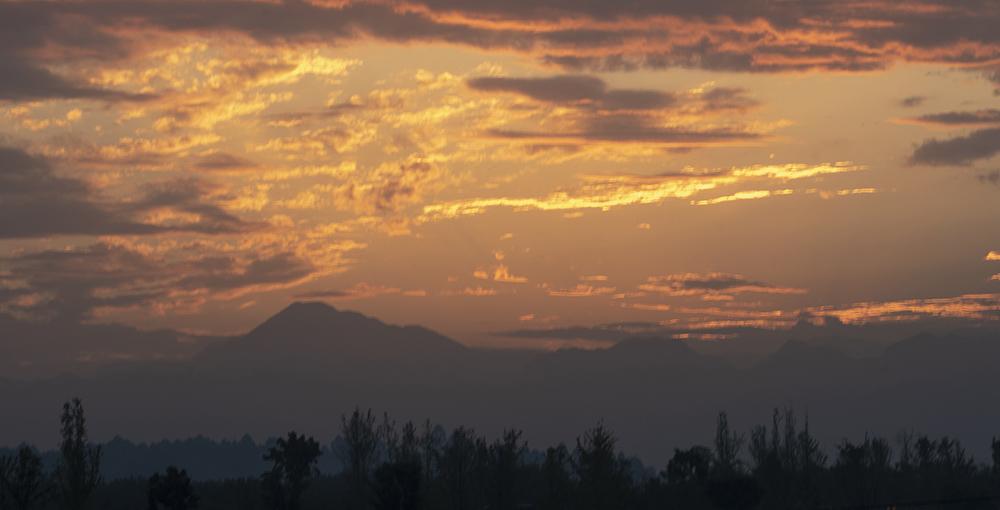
[309, 364]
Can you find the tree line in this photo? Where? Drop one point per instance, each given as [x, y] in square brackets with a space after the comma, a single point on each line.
[415, 467]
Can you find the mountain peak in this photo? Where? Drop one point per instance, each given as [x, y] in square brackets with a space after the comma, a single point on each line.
[304, 316]
[316, 339]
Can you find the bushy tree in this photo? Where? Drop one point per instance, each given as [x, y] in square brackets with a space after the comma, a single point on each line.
[294, 461]
[505, 481]
[397, 485]
[172, 491]
[460, 468]
[78, 468]
[603, 476]
[396, 482]
[556, 484]
[687, 477]
[863, 470]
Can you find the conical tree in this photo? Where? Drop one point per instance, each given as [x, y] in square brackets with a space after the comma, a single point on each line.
[77, 471]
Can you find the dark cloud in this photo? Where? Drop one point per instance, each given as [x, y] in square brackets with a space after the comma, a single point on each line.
[37, 202]
[962, 150]
[320, 294]
[72, 283]
[625, 115]
[192, 196]
[727, 99]
[990, 177]
[628, 128]
[389, 192]
[912, 101]
[225, 273]
[987, 116]
[731, 35]
[712, 283]
[577, 89]
[592, 91]
[23, 81]
[225, 163]
[608, 332]
[372, 104]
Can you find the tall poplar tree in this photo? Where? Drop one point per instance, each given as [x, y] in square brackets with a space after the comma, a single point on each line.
[78, 468]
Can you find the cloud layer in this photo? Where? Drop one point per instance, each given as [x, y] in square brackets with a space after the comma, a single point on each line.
[961, 150]
[37, 202]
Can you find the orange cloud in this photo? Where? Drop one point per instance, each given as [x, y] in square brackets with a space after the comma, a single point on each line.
[469, 291]
[617, 190]
[502, 274]
[357, 291]
[642, 306]
[691, 284]
[971, 306]
[581, 290]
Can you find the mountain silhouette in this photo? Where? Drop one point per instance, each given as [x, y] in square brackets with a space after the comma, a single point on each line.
[311, 363]
[316, 341]
[630, 356]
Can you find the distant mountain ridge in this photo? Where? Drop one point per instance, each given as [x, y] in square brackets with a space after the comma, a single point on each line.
[315, 340]
[310, 363]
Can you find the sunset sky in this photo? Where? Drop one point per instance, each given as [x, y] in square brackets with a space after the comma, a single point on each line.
[480, 167]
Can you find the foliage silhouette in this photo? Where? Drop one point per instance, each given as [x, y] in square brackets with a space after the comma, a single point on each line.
[557, 488]
[359, 453]
[23, 483]
[294, 463]
[461, 466]
[687, 476]
[506, 474]
[785, 468]
[728, 445]
[863, 470]
[397, 485]
[604, 480]
[396, 482]
[77, 470]
[172, 491]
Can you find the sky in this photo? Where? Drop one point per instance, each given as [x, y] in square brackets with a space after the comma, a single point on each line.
[483, 167]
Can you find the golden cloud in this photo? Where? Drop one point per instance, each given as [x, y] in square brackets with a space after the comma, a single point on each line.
[615, 190]
[581, 290]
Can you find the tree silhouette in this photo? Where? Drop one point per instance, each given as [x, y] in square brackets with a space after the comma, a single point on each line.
[995, 454]
[505, 478]
[557, 486]
[397, 485]
[726, 461]
[294, 462]
[788, 466]
[863, 470]
[687, 476]
[461, 461]
[172, 491]
[23, 484]
[77, 470]
[396, 482]
[359, 453]
[729, 486]
[604, 479]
